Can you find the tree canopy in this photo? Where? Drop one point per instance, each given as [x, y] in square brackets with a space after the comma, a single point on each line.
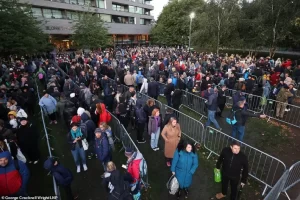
[20, 32]
[230, 24]
[90, 32]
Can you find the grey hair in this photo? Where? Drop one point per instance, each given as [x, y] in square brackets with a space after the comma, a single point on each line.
[169, 80]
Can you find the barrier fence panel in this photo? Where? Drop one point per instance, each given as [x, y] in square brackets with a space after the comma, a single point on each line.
[55, 186]
[253, 101]
[190, 127]
[127, 142]
[293, 177]
[278, 187]
[195, 103]
[262, 166]
[292, 117]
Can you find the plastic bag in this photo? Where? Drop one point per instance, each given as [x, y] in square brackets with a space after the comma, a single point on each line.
[217, 175]
[173, 185]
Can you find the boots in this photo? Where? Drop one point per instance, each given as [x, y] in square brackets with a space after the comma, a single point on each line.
[186, 191]
[178, 193]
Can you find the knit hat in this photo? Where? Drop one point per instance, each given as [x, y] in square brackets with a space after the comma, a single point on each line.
[23, 118]
[76, 119]
[12, 113]
[128, 151]
[72, 95]
[80, 111]
[98, 130]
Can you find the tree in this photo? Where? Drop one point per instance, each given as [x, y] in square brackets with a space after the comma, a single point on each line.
[172, 26]
[20, 32]
[90, 32]
[216, 26]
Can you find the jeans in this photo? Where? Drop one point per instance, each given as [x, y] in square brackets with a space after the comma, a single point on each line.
[154, 138]
[211, 118]
[238, 132]
[169, 100]
[140, 131]
[79, 152]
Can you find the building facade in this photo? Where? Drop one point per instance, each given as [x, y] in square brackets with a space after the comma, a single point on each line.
[128, 21]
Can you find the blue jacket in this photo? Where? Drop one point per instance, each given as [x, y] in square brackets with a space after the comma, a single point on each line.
[62, 175]
[102, 148]
[13, 181]
[212, 103]
[184, 165]
[90, 125]
[48, 104]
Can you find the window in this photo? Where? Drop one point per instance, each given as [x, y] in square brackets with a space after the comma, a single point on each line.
[73, 1]
[139, 10]
[116, 19]
[142, 21]
[37, 12]
[132, 9]
[100, 3]
[131, 20]
[57, 14]
[80, 2]
[47, 13]
[88, 2]
[72, 15]
[105, 18]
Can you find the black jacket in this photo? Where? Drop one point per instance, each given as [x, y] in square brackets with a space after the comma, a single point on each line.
[168, 90]
[241, 115]
[232, 164]
[153, 89]
[221, 97]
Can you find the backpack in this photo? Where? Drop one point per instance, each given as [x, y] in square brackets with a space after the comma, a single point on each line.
[121, 109]
[231, 118]
[173, 185]
[83, 129]
[41, 75]
[140, 115]
[143, 168]
[140, 79]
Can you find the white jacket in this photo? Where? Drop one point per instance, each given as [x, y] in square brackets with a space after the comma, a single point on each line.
[144, 86]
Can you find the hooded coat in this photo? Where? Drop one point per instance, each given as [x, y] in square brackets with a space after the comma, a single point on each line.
[62, 175]
[184, 165]
[102, 148]
[13, 181]
[90, 125]
[134, 166]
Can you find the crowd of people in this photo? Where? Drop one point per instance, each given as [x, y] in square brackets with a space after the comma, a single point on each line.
[86, 98]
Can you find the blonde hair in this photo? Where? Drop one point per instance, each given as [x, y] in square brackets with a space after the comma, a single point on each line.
[155, 110]
[104, 124]
[110, 166]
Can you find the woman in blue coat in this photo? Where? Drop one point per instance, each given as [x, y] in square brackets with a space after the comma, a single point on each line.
[184, 165]
[48, 103]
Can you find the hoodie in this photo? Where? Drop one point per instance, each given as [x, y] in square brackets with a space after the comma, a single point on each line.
[12, 180]
[62, 175]
[212, 100]
[90, 125]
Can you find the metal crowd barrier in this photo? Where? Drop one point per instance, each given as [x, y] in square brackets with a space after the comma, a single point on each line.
[55, 186]
[127, 141]
[195, 103]
[292, 117]
[190, 127]
[288, 180]
[262, 166]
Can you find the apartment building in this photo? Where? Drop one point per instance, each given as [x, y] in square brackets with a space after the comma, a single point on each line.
[128, 21]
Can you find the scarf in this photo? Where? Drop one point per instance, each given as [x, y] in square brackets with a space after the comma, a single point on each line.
[76, 134]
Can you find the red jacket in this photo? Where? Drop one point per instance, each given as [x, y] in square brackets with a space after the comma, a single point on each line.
[198, 77]
[287, 63]
[134, 167]
[274, 79]
[104, 116]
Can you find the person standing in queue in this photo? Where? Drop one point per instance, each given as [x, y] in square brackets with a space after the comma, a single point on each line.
[184, 165]
[233, 161]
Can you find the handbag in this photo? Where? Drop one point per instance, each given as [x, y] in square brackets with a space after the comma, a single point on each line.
[85, 144]
[20, 156]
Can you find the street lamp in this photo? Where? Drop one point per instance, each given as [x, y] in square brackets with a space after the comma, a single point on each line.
[192, 16]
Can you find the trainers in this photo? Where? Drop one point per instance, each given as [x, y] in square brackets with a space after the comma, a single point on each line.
[55, 122]
[89, 157]
[29, 162]
[141, 141]
[220, 196]
[78, 169]
[35, 162]
[96, 156]
[50, 122]
[156, 149]
[85, 167]
[168, 164]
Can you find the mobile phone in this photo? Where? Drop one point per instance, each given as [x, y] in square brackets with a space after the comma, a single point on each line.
[124, 166]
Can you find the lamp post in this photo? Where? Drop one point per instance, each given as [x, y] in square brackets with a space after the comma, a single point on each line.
[192, 16]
